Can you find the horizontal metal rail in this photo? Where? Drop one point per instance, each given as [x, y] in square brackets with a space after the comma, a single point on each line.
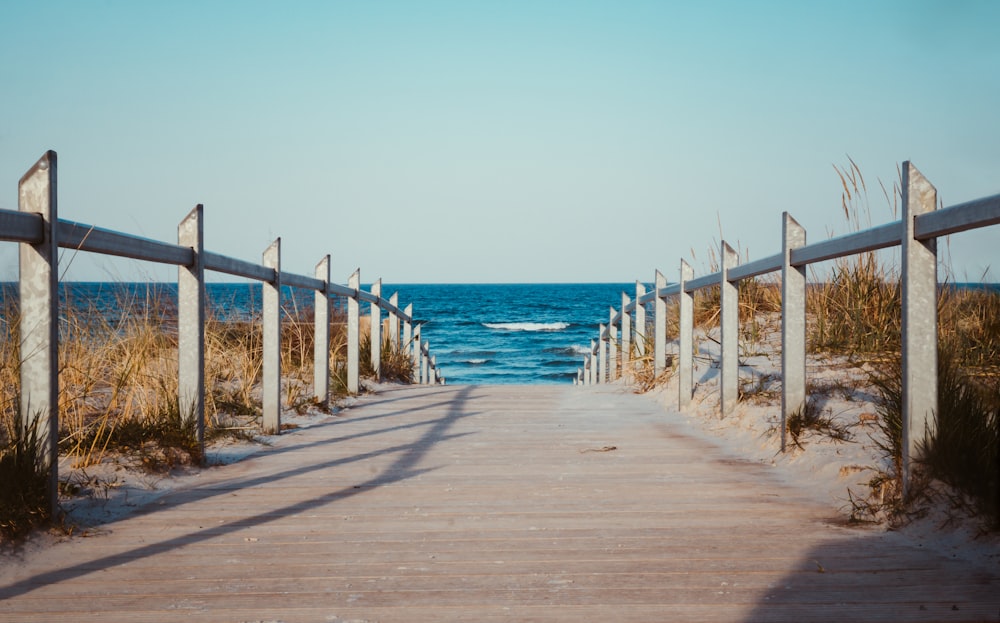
[756, 268]
[919, 284]
[37, 224]
[706, 281]
[106, 242]
[238, 268]
[873, 239]
[18, 226]
[962, 217]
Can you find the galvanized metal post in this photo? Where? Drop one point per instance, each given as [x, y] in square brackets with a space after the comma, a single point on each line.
[394, 321]
[375, 331]
[424, 361]
[321, 329]
[416, 355]
[685, 356]
[920, 383]
[593, 362]
[626, 332]
[38, 283]
[434, 370]
[585, 371]
[640, 325]
[408, 329]
[612, 347]
[271, 365]
[354, 334]
[602, 356]
[729, 329]
[659, 326]
[793, 325]
[191, 325]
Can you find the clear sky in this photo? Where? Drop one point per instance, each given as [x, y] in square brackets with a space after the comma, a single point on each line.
[506, 141]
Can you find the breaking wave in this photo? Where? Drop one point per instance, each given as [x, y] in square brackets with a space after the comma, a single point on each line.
[527, 326]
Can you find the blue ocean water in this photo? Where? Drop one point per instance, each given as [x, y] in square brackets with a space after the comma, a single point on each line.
[480, 333]
[510, 333]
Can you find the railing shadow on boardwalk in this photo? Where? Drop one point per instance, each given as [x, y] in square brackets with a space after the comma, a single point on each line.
[403, 468]
[850, 580]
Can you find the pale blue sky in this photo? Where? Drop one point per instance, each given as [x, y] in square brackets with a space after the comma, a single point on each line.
[494, 141]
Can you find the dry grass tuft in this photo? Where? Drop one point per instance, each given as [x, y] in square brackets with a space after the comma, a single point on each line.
[118, 385]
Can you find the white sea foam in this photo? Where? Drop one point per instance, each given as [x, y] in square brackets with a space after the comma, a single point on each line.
[527, 326]
[475, 362]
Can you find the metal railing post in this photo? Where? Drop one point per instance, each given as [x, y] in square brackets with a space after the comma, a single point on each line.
[38, 281]
[271, 365]
[793, 325]
[640, 325]
[408, 329]
[626, 333]
[353, 334]
[602, 356]
[612, 347]
[425, 348]
[191, 325]
[919, 291]
[685, 355]
[659, 326]
[416, 355]
[321, 328]
[593, 362]
[375, 331]
[729, 329]
[394, 321]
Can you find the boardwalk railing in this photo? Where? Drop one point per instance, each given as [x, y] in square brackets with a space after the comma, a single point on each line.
[40, 233]
[916, 232]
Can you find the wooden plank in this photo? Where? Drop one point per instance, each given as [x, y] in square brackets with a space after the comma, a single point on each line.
[472, 503]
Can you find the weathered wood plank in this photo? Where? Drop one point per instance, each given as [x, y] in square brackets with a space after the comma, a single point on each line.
[475, 503]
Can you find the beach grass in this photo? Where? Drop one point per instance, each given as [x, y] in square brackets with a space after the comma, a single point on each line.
[854, 314]
[118, 389]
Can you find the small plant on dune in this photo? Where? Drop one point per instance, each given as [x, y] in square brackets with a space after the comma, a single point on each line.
[113, 371]
[857, 309]
[811, 418]
[759, 298]
[233, 362]
[969, 326]
[642, 370]
[964, 448]
[24, 494]
[338, 358]
[759, 388]
[160, 441]
[395, 362]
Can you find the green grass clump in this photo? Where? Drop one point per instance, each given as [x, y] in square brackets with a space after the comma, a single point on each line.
[395, 361]
[24, 490]
[857, 310]
[964, 449]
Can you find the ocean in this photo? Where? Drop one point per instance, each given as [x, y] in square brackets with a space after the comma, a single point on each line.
[480, 333]
[510, 333]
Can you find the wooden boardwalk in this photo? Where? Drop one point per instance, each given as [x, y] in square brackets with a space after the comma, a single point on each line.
[467, 503]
